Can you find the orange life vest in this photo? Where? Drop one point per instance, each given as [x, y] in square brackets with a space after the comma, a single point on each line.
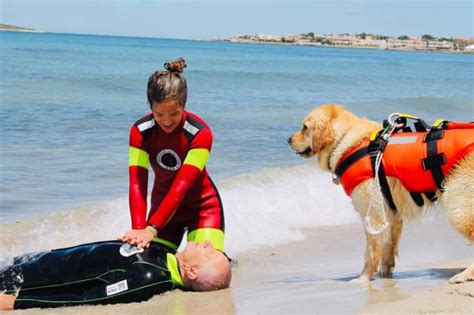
[406, 157]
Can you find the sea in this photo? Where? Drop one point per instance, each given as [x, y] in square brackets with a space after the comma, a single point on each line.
[67, 103]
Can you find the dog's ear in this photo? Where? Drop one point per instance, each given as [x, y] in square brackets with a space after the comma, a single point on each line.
[322, 135]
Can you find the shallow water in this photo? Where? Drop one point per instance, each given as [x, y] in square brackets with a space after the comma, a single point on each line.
[67, 102]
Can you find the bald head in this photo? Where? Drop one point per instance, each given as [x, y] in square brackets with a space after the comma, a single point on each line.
[204, 268]
[214, 274]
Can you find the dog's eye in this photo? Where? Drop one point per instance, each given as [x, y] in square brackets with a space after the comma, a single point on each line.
[304, 128]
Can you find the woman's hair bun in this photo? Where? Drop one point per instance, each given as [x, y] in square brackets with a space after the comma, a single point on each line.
[177, 65]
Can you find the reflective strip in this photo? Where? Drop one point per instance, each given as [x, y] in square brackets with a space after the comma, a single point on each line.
[216, 237]
[138, 157]
[373, 135]
[146, 125]
[197, 157]
[165, 242]
[402, 140]
[190, 128]
[408, 116]
[172, 264]
[438, 123]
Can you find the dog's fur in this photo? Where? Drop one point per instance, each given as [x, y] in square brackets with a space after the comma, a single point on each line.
[329, 131]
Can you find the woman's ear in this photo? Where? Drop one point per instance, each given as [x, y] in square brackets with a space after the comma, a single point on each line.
[322, 135]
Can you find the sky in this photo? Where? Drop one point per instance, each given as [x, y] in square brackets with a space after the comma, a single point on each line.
[192, 19]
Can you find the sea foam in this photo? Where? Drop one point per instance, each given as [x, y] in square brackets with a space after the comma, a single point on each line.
[264, 208]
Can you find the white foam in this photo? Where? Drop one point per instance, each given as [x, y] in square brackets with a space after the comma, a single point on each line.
[267, 207]
[271, 206]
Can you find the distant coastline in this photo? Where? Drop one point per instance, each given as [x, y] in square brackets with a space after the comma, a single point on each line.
[14, 28]
[426, 43]
[408, 43]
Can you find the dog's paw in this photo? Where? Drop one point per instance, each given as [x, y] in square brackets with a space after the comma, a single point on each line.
[363, 279]
[466, 275]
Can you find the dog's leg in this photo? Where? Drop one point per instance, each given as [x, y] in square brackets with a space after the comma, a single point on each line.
[466, 275]
[390, 246]
[362, 200]
[373, 256]
[458, 202]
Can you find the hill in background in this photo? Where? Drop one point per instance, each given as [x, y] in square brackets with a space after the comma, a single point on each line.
[7, 27]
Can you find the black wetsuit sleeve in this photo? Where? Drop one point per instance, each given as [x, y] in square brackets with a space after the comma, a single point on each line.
[88, 274]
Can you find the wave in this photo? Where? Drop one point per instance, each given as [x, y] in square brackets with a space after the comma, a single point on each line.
[264, 208]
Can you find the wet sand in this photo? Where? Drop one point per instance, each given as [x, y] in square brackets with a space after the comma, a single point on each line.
[314, 276]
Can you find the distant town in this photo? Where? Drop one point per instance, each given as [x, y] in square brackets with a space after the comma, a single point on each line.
[363, 40]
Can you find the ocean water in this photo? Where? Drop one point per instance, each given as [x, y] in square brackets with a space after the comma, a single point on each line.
[67, 103]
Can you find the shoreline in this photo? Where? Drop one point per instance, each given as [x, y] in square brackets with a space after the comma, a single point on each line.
[342, 46]
[21, 31]
[14, 28]
[314, 276]
[462, 52]
[439, 299]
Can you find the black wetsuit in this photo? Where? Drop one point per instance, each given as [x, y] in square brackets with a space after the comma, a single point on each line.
[95, 273]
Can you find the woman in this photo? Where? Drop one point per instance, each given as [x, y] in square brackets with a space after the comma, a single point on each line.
[176, 143]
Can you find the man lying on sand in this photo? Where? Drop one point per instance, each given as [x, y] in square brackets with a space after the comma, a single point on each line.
[110, 272]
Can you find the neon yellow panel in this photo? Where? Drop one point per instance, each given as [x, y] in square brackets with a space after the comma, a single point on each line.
[216, 237]
[137, 157]
[165, 242]
[197, 157]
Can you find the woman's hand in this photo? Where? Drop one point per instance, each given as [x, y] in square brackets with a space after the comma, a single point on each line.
[138, 237]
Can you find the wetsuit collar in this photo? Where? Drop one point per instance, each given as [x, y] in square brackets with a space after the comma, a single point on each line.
[172, 264]
[183, 120]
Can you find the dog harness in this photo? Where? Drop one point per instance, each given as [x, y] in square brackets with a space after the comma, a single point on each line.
[420, 159]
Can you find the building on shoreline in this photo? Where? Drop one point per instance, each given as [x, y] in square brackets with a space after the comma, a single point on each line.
[424, 43]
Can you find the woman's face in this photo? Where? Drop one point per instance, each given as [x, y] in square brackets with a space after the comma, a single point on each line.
[168, 114]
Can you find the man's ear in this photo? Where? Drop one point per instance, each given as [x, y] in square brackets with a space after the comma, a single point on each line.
[191, 272]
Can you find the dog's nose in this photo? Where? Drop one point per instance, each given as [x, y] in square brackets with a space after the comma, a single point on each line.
[289, 140]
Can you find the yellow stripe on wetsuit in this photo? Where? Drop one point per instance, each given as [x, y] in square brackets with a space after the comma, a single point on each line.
[138, 157]
[201, 235]
[197, 157]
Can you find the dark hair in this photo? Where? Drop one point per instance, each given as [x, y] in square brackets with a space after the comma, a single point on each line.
[168, 84]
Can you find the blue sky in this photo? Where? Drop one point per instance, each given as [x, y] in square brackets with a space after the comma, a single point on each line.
[210, 19]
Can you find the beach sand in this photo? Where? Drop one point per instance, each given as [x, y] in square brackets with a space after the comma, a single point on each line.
[314, 276]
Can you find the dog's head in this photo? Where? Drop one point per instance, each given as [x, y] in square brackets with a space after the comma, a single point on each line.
[320, 131]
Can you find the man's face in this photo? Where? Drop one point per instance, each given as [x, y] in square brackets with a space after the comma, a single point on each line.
[197, 253]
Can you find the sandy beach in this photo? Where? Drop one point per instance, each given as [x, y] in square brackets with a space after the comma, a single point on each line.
[315, 276]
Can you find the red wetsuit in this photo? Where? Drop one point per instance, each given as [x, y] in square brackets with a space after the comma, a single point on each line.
[183, 195]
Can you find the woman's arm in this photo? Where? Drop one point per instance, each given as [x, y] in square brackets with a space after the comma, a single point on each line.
[138, 178]
[189, 172]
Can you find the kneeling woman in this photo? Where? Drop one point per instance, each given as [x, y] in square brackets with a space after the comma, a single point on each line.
[176, 143]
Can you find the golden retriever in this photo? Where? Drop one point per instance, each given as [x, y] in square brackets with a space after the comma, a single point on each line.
[329, 131]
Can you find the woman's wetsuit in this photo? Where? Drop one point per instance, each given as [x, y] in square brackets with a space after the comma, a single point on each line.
[183, 195]
[96, 273]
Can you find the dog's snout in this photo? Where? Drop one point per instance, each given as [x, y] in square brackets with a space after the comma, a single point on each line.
[289, 140]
